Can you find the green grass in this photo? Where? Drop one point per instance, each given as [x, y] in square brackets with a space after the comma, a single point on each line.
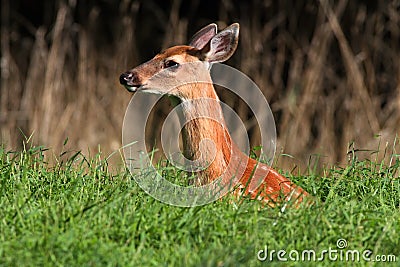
[76, 212]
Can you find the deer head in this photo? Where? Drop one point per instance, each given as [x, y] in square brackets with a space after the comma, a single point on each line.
[184, 65]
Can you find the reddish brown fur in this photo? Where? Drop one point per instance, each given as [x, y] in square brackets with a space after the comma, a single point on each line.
[274, 187]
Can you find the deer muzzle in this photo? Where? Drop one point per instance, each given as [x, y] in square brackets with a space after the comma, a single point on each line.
[130, 81]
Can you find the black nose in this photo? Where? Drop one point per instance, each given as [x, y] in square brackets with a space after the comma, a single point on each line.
[126, 78]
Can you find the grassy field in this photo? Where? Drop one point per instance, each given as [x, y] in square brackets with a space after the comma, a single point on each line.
[79, 211]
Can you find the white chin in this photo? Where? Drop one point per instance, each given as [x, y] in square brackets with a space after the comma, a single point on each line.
[143, 90]
[152, 91]
[131, 88]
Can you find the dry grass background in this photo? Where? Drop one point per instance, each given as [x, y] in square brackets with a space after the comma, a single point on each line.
[330, 69]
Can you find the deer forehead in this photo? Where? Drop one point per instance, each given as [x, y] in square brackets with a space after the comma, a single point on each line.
[180, 54]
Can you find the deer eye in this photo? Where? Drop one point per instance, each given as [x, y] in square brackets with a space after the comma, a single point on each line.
[171, 64]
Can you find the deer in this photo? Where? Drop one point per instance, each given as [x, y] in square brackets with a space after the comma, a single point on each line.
[182, 72]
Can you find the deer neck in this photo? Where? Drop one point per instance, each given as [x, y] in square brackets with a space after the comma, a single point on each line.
[206, 141]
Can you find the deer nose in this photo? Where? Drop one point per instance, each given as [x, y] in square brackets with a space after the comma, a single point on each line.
[126, 78]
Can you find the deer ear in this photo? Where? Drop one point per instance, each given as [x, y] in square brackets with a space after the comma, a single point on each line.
[202, 37]
[223, 45]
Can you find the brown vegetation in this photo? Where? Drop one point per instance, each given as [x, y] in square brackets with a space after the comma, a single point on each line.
[330, 69]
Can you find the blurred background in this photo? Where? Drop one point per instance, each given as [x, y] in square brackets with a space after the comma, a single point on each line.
[329, 69]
